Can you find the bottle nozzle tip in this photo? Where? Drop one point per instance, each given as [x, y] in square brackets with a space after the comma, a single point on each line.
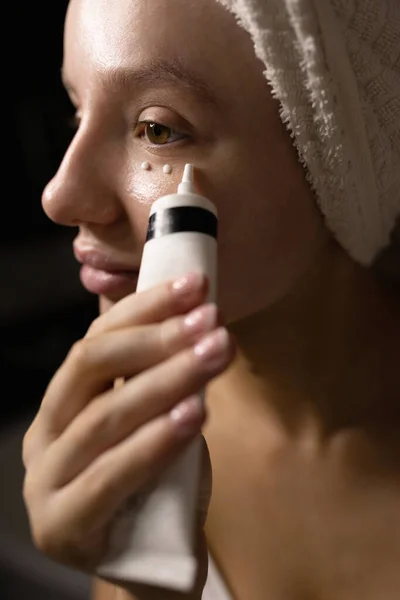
[188, 173]
[186, 185]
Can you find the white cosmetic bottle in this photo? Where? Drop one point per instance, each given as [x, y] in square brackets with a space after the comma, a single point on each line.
[152, 540]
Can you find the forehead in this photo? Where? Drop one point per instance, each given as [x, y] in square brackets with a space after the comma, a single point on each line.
[116, 35]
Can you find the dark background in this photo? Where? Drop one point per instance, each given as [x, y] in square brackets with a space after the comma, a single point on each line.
[43, 307]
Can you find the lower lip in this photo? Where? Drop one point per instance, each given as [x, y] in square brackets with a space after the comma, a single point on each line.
[103, 282]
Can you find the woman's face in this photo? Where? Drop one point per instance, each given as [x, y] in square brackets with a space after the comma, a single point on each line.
[188, 67]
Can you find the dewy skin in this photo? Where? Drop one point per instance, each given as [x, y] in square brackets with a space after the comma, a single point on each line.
[152, 540]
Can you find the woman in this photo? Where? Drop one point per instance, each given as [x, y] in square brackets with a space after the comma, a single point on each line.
[303, 427]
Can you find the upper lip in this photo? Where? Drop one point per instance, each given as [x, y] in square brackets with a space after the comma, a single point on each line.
[102, 261]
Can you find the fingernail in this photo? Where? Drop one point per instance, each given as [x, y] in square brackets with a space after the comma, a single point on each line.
[213, 345]
[189, 283]
[188, 416]
[201, 319]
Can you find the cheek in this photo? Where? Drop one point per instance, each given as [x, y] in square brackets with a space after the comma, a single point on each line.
[143, 184]
[147, 177]
[235, 186]
[244, 194]
[144, 187]
[269, 228]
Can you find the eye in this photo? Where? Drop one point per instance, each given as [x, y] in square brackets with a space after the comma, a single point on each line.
[158, 134]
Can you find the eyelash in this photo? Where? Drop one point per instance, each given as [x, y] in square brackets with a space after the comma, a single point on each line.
[141, 131]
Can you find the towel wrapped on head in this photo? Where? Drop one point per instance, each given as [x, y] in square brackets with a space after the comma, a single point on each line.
[334, 66]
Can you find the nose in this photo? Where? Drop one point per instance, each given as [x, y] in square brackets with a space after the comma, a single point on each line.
[83, 191]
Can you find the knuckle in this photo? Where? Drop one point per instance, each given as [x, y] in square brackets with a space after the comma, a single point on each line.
[26, 446]
[167, 334]
[190, 364]
[96, 327]
[45, 536]
[48, 531]
[26, 489]
[33, 439]
[100, 484]
[101, 421]
[32, 487]
[34, 504]
[173, 336]
[82, 354]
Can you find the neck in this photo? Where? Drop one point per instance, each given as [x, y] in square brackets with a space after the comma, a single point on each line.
[324, 355]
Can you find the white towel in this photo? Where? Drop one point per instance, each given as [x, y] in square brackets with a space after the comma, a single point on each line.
[334, 65]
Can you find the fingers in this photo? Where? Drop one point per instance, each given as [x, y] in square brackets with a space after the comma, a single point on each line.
[85, 372]
[88, 503]
[122, 353]
[129, 466]
[115, 415]
[154, 305]
[91, 447]
[34, 441]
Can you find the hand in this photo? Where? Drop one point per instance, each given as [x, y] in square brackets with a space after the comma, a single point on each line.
[90, 447]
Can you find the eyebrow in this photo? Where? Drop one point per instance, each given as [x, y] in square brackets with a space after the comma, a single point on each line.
[156, 73]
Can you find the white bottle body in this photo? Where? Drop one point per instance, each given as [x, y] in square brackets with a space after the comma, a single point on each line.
[178, 253]
[175, 257]
[153, 539]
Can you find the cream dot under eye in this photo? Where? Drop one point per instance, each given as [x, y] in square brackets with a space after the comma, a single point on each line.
[167, 169]
[145, 166]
